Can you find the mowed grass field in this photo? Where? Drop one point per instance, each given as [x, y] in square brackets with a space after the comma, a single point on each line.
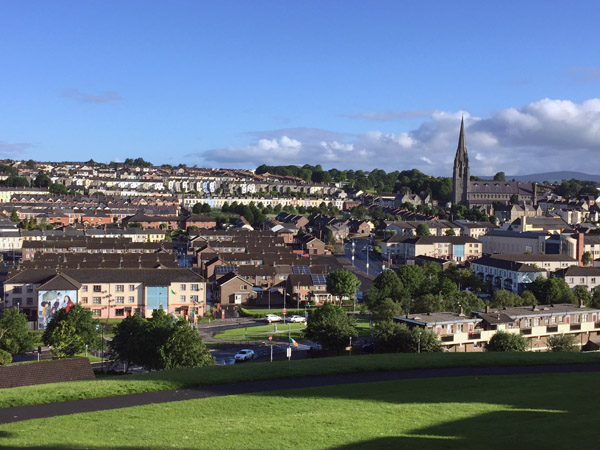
[558, 411]
[203, 376]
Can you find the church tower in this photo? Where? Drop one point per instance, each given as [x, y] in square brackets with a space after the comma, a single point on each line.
[460, 175]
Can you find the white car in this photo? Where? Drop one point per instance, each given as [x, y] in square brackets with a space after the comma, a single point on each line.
[297, 319]
[244, 354]
[272, 318]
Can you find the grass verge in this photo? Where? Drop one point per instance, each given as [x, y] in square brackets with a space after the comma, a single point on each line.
[181, 378]
[517, 412]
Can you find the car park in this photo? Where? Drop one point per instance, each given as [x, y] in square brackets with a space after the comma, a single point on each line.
[244, 355]
[269, 318]
[297, 319]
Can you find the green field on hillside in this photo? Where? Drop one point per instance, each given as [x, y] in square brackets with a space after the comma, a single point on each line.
[517, 412]
[181, 378]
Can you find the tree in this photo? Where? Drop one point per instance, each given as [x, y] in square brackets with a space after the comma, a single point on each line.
[161, 342]
[331, 327]
[423, 230]
[507, 342]
[30, 163]
[15, 337]
[342, 283]
[514, 199]
[500, 176]
[14, 216]
[201, 208]
[128, 341]
[398, 338]
[58, 189]
[595, 300]
[551, 290]
[5, 358]
[586, 258]
[42, 180]
[450, 232]
[69, 332]
[582, 295]
[563, 343]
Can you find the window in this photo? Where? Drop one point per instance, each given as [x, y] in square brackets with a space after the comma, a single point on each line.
[30, 301]
[182, 287]
[132, 287]
[84, 300]
[131, 299]
[195, 287]
[96, 312]
[571, 280]
[119, 300]
[243, 287]
[97, 288]
[582, 280]
[84, 288]
[119, 312]
[120, 288]
[194, 298]
[182, 298]
[593, 280]
[17, 289]
[96, 300]
[30, 288]
[17, 301]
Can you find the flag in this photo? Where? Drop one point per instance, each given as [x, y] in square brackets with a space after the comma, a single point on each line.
[172, 292]
[293, 342]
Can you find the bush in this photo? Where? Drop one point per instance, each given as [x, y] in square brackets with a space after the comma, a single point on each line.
[507, 342]
[398, 338]
[563, 343]
[5, 358]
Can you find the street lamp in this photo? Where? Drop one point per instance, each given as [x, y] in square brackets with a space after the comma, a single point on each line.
[298, 297]
[419, 343]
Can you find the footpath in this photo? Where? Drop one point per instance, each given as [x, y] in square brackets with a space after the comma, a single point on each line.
[21, 413]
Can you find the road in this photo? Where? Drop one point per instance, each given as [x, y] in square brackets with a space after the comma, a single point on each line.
[360, 258]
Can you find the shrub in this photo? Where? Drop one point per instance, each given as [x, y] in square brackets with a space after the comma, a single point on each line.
[563, 343]
[507, 342]
[5, 358]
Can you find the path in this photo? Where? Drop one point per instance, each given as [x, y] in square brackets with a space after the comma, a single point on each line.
[20, 413]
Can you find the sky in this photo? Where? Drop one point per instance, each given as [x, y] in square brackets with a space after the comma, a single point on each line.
[345, 84]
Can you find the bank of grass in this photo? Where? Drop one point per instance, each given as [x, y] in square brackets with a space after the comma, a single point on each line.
[518, 412]
[279, 331]
[203, 376]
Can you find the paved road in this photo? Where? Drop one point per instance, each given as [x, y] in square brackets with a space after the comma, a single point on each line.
[360, 258]
[20, 413]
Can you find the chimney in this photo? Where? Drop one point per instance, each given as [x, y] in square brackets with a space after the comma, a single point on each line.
[487, 308]
[580, 248]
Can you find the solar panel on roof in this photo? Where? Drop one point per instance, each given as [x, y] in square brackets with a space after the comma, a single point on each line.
[319, 279]
[301, 270]
[225, 269]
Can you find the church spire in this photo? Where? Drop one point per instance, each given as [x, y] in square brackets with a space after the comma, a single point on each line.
[461, 136]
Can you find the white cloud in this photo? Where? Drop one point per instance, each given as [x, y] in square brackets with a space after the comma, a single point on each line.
[545, 135]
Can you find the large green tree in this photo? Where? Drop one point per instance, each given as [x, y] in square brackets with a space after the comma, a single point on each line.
[342, 283]
[331, 327]
[69, 332]
[15, 337]
[563, 343]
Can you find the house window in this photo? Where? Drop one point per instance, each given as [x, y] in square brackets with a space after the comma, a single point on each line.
[182, 298]
[119, 288]
[30, 301]
[243, 287]
[96, 312]
[132, 287]
[131, 299]
[582, 280]
[84, 288]
[96, 300]
[571, 280]
[30, 288]
[84, 300]
[97, 288]
[195, 287]
[17, 289]
[182, 287]
[120, 300]
[194, 298]
[593, 281]
[119, 312]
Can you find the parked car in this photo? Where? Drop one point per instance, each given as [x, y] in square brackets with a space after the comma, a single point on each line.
[244, 355]
[272, 318]
[297, 319]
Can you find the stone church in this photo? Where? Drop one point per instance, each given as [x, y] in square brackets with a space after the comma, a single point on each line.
[485, 193]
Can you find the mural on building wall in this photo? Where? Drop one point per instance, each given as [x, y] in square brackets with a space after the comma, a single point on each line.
[51, 301]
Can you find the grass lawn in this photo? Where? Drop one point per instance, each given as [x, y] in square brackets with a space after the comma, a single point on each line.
[174, 379]
[503, 412]
[278, 330]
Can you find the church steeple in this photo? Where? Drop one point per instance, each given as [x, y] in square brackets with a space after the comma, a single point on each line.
[460, 174]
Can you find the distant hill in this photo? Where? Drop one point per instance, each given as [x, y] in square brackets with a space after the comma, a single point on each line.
[552, 177]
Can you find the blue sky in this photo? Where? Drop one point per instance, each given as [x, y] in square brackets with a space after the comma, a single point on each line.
[341, 83]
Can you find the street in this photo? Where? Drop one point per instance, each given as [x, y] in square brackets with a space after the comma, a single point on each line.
[360, 257]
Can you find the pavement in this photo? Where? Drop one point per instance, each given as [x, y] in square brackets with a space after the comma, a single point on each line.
[21, 413]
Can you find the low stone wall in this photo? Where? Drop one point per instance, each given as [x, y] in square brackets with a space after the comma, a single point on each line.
[43, 372]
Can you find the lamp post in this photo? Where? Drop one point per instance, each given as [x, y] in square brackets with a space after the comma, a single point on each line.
[419, 343]
[298, 297]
